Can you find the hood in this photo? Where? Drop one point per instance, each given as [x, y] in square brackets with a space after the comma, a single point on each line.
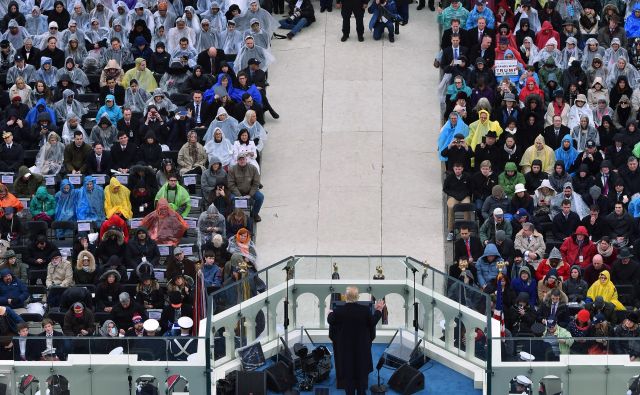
[104, 118]
[142, 229]
[68, 92]
[606, 272]
[212, 211]
[213, 160]
[104, 329]
[22, 171]
[525, 269]
[88, 179]
[581, 230]
[106, 274]
[64, 183]
[113, 64]
[510, 166]
[579, 271]
[114, 231]
[555, 254]
[559, 162]
[110, 97]
[546, 26]
[567, 137]
[92, 261]
[491, 249]
[42, 193]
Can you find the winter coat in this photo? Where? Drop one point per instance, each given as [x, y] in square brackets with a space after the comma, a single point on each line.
[571, 253]
[60, 275]
[534, 243]
[73, 325]
[530, 286]
[488, 271]
[16, 290]
[509, 183]
[576, 290]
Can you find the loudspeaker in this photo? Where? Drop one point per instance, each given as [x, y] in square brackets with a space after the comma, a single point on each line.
[280, 377]
[251, 383]
[407, 380]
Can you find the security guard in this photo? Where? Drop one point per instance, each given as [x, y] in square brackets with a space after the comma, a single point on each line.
[348, 7]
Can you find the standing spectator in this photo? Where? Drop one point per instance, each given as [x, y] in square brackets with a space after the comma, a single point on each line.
[628, 328]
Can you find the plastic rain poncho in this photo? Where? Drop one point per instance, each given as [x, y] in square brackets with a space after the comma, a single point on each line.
[219, 147]
[210, 223]
[267, 21]
[68, 131]
[42, 202]
[116, 199]
[252, 50]
[51, 155]
[178, 199]
[164, 224]
[242, 244]
[256, 131]
[90, 205]
[66, 199]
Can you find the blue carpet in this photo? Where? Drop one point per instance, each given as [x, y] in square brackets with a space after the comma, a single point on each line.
[439, 379]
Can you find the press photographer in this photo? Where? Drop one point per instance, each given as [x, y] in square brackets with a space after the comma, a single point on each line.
[385, 14]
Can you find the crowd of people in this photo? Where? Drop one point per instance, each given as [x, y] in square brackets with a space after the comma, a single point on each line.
[121, 113]
[541, 148]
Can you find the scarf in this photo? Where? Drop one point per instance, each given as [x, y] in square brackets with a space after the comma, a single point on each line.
[510, 151]
[557, 109]
[605, 253]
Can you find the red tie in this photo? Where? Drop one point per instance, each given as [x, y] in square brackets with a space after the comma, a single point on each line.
[466, 243]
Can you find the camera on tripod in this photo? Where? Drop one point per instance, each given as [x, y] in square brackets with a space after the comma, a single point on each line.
[315, 366]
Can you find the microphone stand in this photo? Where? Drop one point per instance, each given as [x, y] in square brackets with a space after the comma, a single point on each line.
[379, 389]
[289, 269]
[415, 307]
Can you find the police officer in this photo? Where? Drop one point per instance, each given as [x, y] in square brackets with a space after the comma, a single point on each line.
[348, 7]
[181, 347]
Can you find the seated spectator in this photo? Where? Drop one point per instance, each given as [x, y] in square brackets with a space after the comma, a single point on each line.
[580, 327]
[142, 248]
[210, 223]
[175, 195]
[23, 348]
[11, 228]
[594, 270]
[180, 283]
[40, 253]
[496, 199]
[90, 205]
[520, 317]
[493, 224]
[7, 199]
[595, 224]
[124, 153]
[605, 288]
[112, 243]
[108, 290]
[116, 199]
[79, 321]
[629, 329]
[104, 133]
[43, 205]
[625, 270]
[13, 292]
[531, 243]
[509, 178]
[486, 265]
[548, 284]
[620, 222]
[554, 307]
[85, 269]
[18, 269]
[212, 185]
[543, 197]
[66, 202]
[558, 338]
[244, 182]
[237, 220]
[108, 338]
[602, 329]
[599, 306]
[212, 272]
[525, 283]
[48, 347]
[148, 292]
[553, 261]
[578, 249]
[179, 264]
[137, 330]
[538, 151]
[27, 183]
[467, 246]
[594, 197]
[192, 157]
[59, 275]
[124, 311]
[559, 177]
[164, 224]
[575, 287]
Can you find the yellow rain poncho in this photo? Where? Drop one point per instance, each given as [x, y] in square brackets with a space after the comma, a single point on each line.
[606, 289]
[479, 129]
[116, 199]
[144, 77]
[546, 155]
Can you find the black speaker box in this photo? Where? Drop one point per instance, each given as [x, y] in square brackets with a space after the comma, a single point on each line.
[407, 380]
[280, 377]
[251, 383]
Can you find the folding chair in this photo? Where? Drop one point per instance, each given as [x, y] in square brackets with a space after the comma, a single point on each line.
[57, 317]
[468, 210]
[67, 228]
[37, 274]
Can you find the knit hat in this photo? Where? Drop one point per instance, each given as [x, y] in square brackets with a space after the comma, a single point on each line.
[583, 318]
[598, 303]
[599, 318]
[501, 235]
[136, 319]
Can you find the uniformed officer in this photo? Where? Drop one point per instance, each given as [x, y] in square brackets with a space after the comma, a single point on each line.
[356, 7]
[181, 347]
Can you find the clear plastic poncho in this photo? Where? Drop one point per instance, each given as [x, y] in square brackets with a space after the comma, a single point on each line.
[256, 131]
[164, 224]
[51, 155]
[219, 147]
[210, 223]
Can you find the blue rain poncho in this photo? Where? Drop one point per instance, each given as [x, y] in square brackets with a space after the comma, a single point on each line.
[90, 205]
[41, 106]
[568, 156]
[447, 132]
[114, 112]
[66, 202]
[632, 24]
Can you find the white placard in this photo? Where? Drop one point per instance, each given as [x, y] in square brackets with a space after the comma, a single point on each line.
[123, 178]
[75, 180]
[84, 226]
[164, 249]
[24, 201]
[49, 180]
[191, 222]
[506, 67]
[187, 249]
[135, 223]
[7, 178]
[65, 251]
[242, 203]
[101, 179]
[189, 180]
[195, 202]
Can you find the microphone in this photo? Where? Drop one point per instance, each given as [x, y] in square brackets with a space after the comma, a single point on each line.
[380, 363]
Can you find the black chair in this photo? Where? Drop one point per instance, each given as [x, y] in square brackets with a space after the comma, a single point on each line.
[89, 99]
[31, 317]
[57, 317]
[100, 317]
[68, 227]
[180, 99]
[34, 290]
[35, 274]
[173, 155]
[35, 228]
[30, 157]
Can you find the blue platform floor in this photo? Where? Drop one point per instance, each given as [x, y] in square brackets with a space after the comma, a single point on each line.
[439, 379]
